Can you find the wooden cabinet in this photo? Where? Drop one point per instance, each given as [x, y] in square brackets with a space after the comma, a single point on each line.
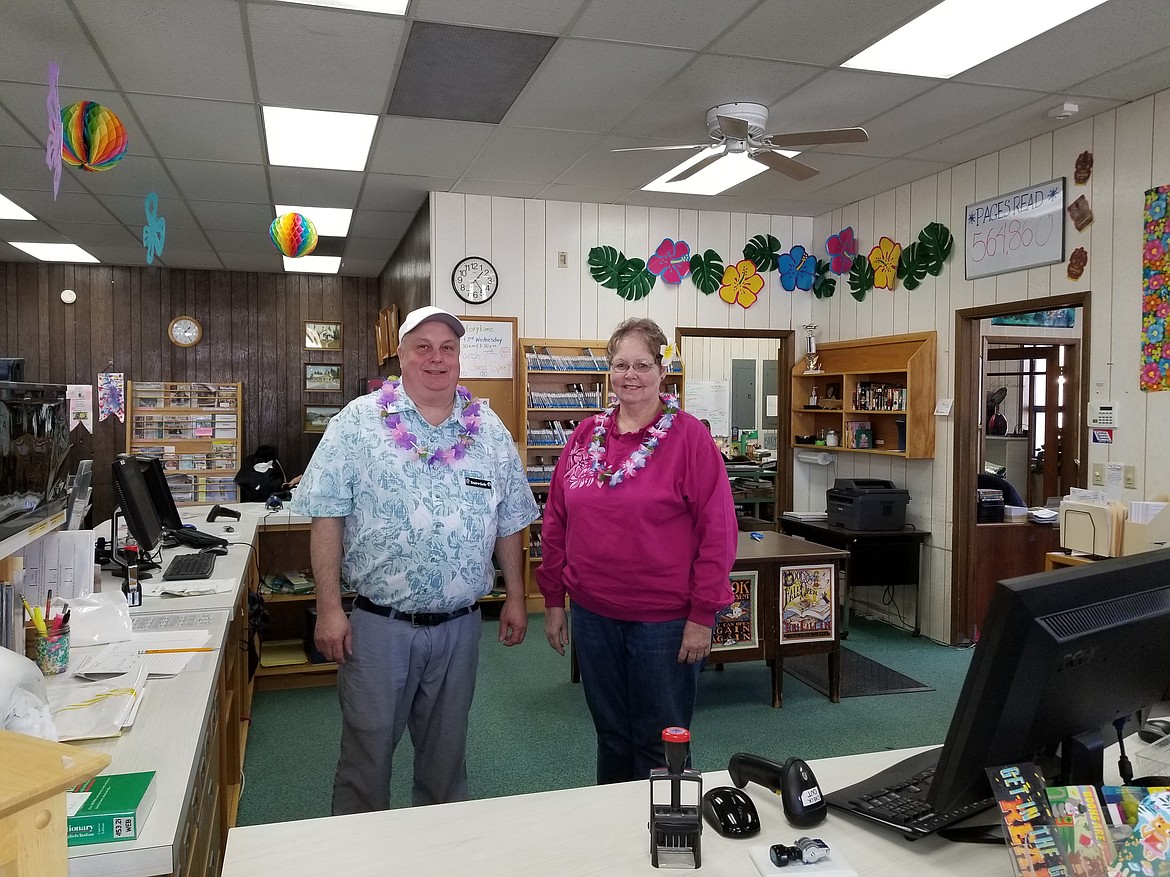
[195, 429]
[876, 394]
[565, 381]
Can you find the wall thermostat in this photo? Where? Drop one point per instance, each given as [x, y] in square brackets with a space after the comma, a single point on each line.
[1102, 415]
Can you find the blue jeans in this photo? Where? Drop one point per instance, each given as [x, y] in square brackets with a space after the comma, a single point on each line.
[635, 687]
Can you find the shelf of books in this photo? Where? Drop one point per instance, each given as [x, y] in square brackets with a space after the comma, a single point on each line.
[565, 382]
[195, 429]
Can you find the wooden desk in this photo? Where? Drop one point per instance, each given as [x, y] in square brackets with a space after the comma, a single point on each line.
[1004, 551]
[877, 558]
[1053, 559]
[585, 831]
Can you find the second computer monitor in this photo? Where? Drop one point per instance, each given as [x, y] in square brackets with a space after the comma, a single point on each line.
[133, 498]
[160, 492]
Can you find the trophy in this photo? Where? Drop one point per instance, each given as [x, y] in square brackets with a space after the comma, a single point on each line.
[812, 362]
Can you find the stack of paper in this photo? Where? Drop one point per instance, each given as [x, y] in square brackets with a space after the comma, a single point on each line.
[90, 710]
[161, 653]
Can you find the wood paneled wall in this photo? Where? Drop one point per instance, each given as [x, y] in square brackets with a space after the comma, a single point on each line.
[253, 333]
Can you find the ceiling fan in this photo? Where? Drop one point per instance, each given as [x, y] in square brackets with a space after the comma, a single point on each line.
[739, 128]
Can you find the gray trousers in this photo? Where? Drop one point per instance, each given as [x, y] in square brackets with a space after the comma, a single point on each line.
[399, 677]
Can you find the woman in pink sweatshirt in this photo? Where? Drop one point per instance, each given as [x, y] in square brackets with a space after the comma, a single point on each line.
[639, 531]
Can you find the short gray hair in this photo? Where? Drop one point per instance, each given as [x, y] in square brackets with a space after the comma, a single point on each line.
[649, 331]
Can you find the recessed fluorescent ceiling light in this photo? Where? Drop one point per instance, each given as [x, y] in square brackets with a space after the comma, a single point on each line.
[731, 170]
[958, 34]
[331, 222]
[54, 252]
[313, 264]
[386, 7]
[10, 210]
[318, 138]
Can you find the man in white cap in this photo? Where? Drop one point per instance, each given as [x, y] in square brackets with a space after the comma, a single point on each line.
[411, 490]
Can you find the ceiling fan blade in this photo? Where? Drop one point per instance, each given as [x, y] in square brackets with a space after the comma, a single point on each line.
[790, 167]
[810, 138]
[661, 148]
[695, 168]
[736, 129]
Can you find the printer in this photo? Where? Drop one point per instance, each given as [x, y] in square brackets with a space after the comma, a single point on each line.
[866, 504]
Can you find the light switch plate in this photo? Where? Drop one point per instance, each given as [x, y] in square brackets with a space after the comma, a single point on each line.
[1099, 474]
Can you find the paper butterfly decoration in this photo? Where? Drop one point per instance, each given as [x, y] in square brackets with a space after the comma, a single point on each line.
[154, 233]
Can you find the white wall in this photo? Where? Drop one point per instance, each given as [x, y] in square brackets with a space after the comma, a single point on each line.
[1128, 145]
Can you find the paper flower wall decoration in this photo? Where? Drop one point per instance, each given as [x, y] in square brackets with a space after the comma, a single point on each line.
[884, 260]
[842, 249]
[154, 233]
[741, 284]
[798, 269]
[53, 142]
[671, 261]
[293, 234]
[92, 136]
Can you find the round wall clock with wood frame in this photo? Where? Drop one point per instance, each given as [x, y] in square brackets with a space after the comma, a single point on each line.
[185, 331]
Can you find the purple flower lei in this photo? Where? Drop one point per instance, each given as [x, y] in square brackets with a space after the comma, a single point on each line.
[406, 440]
[641, 456]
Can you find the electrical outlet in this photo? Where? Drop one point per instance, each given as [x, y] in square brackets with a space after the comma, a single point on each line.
[1130, 477]
[562, 259]
[1099, 474]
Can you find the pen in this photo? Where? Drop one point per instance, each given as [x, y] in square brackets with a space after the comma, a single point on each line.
[48, 602]
[28, 609]
[174, 651]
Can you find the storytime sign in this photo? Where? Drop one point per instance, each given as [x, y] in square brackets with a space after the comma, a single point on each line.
[1022, 229]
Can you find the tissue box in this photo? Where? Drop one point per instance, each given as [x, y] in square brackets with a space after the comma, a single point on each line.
[1154, 760]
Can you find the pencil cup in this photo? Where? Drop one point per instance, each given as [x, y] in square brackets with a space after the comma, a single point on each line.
[52, 650]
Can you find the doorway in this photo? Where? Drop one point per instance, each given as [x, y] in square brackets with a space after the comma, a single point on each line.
[774, 401]
[969, 580]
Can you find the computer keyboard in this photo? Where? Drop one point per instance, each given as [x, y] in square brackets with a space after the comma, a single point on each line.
[189, 566]
[196, 538]
[896, 797]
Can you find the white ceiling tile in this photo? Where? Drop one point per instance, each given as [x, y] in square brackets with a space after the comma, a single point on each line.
[1131, 81]
[314, 187]
[398, 192]
[679, 109]
[225, 216]
[134, 175]
[116, 255]
[88, 234]
[631, 170]
[69, 206]
[380, 223]
[256, 241]
[619, 76]
[427, 147]
[194, 258]
[12, 132]
[529, 155]
[688, 25]
[27, 102]
[186, 240]
[815, 32]
[843, 99]
[881, 179]
[25, 168]
[365, 267]
[24, 230]
[368, 248]
[193, 48]
[35, 33]
[269, 262]
[529, 16]
[220, 180]
[201, 129]
[364, 46]
[131, 210]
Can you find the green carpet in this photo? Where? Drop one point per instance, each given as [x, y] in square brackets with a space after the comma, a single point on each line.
[530, 729]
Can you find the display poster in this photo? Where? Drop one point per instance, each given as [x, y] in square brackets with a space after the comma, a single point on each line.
[807, 597]
[737, 625]
[1017, 230]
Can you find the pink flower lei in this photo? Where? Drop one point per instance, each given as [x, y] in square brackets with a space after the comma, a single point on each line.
[641, 456]
[391, 394]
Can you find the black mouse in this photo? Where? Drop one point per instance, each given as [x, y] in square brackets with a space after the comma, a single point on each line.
[731, 812]
[1154, 730]
[219, 550]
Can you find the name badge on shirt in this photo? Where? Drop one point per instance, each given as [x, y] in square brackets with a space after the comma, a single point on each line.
[478, 482]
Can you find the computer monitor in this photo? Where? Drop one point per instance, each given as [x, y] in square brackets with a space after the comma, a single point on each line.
[1062, 655]
[133, 498]
[160, 492]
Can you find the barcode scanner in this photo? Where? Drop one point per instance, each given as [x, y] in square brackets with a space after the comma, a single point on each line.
[218, 511]
[793, 781]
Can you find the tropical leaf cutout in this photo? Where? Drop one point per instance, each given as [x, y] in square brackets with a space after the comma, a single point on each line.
[707, 271]
[936, 245]
[606, 264]
[860, 277]
[911, 269]
[763, 251]
[824, 285]
[634, 280]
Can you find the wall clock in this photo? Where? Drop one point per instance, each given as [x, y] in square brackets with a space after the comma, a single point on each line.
[185, 331]
[475, 280]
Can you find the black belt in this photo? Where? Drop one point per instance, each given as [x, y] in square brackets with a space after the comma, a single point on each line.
[418, 619]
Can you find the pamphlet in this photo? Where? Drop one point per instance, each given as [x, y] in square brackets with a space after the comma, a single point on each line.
[1031, 832]
[1082, 829]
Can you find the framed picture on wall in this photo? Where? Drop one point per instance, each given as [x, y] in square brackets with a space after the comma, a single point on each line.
[389, 317]
[380, 345]
[317, 417]
[807, 598]
[737, 626]
[322, 335]
[322, 377]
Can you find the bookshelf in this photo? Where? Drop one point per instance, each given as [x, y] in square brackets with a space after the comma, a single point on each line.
[195, 429]
[565, 382]
[883, 387]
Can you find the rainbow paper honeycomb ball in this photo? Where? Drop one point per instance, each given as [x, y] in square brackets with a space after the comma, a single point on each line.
[92, 136]
[293, 234]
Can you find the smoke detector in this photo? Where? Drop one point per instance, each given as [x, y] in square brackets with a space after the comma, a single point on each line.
[1065, 111]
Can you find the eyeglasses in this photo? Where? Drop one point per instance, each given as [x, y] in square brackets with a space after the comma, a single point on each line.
[641, 367]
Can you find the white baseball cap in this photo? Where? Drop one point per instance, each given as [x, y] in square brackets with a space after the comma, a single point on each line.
[424, 315]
